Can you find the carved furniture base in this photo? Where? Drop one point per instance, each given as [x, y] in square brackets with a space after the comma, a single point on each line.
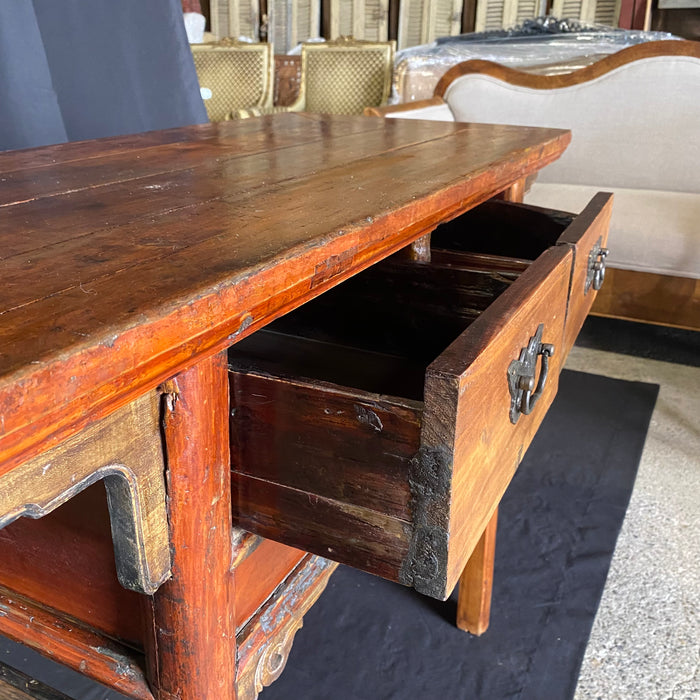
[266, 639]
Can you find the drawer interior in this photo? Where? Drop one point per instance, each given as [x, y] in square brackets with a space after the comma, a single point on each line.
[506, 230]
[379, 330]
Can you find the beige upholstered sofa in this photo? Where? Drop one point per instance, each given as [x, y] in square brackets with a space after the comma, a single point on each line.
[635, 120]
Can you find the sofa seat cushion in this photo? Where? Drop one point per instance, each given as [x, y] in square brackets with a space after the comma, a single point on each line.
[651, 230]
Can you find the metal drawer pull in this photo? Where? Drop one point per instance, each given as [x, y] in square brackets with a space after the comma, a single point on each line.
[521, 375]
[596, 266]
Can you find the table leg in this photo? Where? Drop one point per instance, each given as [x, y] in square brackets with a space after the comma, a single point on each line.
[516, 192]
[474, 601]
[191, 635]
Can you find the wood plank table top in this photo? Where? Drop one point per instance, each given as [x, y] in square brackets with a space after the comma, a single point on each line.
[125, 260]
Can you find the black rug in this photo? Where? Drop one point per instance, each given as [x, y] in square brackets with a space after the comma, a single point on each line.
[367, 639]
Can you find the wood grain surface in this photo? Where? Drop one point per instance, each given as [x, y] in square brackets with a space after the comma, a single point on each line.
[468, 400]
[76, 645]
[128, 258]
[665, 300]
[476, 582]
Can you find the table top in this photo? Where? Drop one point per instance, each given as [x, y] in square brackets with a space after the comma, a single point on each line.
[126, 259]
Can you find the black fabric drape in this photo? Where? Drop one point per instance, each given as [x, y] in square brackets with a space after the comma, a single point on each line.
[74, 70]
[29, 110]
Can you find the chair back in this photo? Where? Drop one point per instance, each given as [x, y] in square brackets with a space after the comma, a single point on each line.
[345, 76]
[237, 75]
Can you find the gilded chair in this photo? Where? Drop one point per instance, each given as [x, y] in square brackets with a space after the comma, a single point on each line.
[234, 75]
[344, 76]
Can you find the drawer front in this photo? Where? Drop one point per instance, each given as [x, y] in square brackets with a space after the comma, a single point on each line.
[393, 485]
[588, 236]
[474, 433]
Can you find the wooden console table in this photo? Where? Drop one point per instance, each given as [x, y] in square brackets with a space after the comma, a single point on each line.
[130, 266]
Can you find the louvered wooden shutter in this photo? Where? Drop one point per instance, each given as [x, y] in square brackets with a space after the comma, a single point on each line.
[361, 19]
[422, 21]
[595, 11]
[503, 14]
[235, 18]
[293, 21]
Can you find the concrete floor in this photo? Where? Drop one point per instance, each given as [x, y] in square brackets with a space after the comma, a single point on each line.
[645, 643]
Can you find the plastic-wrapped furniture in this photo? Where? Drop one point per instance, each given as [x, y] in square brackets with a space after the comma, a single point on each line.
[635, 119]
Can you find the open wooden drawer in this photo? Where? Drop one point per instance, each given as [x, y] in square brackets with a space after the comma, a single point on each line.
[380, 424]
[510, 236]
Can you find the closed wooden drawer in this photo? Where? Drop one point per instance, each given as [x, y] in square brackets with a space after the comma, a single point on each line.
[374, 426]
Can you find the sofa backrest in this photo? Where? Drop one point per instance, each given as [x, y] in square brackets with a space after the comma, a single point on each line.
[634, 116]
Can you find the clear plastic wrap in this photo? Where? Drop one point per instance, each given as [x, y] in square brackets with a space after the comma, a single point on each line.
[544, 45]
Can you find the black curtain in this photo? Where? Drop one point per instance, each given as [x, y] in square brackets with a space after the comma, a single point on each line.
[76, 69]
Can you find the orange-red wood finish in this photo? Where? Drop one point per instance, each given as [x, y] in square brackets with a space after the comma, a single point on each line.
[124, 267]
[191, 636]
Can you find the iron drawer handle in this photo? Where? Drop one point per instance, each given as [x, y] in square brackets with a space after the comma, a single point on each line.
[599, 269]
[596, 266]
[524, 391]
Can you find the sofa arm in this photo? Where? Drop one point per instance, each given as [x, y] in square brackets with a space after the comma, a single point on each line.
[434, 109]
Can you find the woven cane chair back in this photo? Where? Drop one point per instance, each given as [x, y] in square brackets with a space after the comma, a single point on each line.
[238, 75]
[345, 76]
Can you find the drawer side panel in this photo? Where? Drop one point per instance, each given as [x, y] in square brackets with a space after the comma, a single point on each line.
[359, 537]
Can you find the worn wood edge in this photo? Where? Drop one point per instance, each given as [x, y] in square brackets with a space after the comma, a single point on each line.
[404, 107]
[651, 49]
[266, 639]
[625, 295]
[27, 441]
[133, 473]
[73, 644]
[445, 382]
[15, 685]
[243, 544]
[598, 207]
[593, 220]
